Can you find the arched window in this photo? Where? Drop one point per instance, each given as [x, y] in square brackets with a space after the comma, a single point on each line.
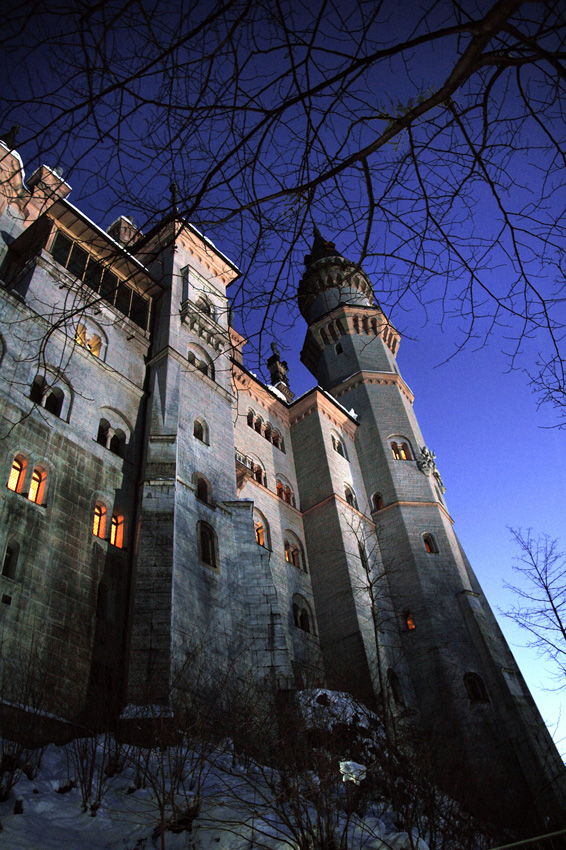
[118, 442]
[203, 490]
[205, 306]
[251, 417]
[395, 687]
[377, 502]
[475, 688]
[200, 431]
[280, 490]
[261, 529]
[338, 348]
[258, 424]
[99, 520]
[338, 445]
[302, 616]
[401, 449]
[37, 486]
[430, 544]
[80, 334]
[294, 552]
[410, 623]
[54, 401]
[207, 544]
[37, 389]
[94, 344]
[10, 561]
[117, 530]
[17, 474]
[103, 429]
[201, 361]
[350, 496]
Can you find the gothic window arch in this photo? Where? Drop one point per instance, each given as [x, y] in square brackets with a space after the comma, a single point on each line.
[200, 360]
[200, 431]
[205, 305]
[377, 502]
[203, 489]
[302, 614]
[251, 418]
[17, 474]
[118, 442]
[36, 491]
[90, 336]
[338, 348]
[284, 491]
[475, 688]
[261, 527]
[52, 392]
[430, 544]
[294, 551]
[10, 559]
[113, 431]
[338, 445]
[401, 448]
[117, 530]
[207, 544]
[350, 496]
[99, 520]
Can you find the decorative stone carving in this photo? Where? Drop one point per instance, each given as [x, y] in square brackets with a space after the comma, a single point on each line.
[427, 465]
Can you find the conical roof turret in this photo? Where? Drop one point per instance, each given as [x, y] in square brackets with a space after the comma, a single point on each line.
[329, 280]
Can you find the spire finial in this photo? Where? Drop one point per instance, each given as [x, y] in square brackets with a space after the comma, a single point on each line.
[174, 196]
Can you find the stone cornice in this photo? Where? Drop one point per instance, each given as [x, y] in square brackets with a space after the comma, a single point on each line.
[257, 391]
[364, 377]
[404, 504]
[318, 402]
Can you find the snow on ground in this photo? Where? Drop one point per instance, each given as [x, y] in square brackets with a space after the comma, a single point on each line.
[239, 806]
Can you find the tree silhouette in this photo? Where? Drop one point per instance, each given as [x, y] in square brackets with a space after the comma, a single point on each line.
[431, 134]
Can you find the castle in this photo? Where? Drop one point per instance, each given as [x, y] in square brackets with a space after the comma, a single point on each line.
[158, 496]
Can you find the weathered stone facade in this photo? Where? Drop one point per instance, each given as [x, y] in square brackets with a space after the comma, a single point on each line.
[160, 498]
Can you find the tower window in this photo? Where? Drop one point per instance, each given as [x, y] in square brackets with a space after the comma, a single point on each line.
[338, 445]
[200, 431]
[302, 616]
[10, 561]
[102, 435]
[377, 502]
[37, 389]
[261, 528]
[117, 530]
[99, 520]
[259, 533]
[17, 473]
[338, 348]
[350, 496]
[203, 490]
[54, 401]
[37, 486]
[401, 449]
[409, 621]
[475, 688]
[430, 544]
[207, 544]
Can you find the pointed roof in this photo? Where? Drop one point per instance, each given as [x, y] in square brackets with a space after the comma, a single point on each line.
[321, 247]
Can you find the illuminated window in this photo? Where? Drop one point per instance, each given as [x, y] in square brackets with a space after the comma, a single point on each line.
[405, 452]
[17, 473]
[475, 688]
[259, 533]
[338, 445]
[395, 450]
[294, 553]
[80, 335]
[401, 449]
[117, 530]
[37, 486]
[94, 345]
[99, 521]
[261, 527]
[430, 544]
[410, 621]
[280, 490]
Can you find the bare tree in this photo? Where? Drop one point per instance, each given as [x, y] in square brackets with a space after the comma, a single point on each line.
[432, 134]
[541, 609]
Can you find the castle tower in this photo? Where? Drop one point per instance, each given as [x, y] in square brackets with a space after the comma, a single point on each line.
[442, 655]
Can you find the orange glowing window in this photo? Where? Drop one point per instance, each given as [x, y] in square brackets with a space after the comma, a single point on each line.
[410, 621]
[117, 530]
[260, 533]
[16, 477]
[99, 521]
[37, 486]
[80, 335]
